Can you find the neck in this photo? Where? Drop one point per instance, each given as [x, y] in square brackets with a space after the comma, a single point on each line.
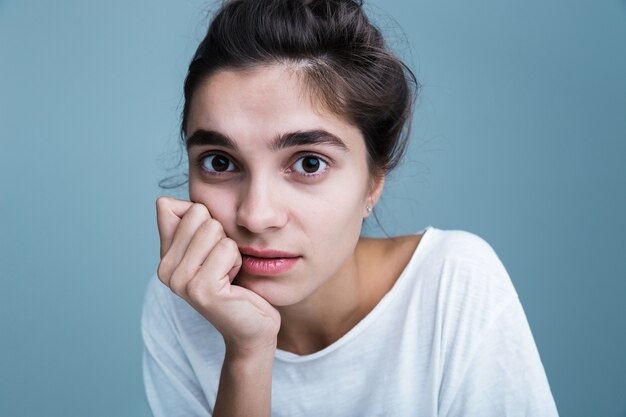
[345, 299]
[326, 315]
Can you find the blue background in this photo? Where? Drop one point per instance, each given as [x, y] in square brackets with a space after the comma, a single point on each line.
[519, 136]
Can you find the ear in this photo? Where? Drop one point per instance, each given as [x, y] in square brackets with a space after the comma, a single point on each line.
[376, 190]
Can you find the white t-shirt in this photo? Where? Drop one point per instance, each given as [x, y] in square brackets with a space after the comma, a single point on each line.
[449, 339]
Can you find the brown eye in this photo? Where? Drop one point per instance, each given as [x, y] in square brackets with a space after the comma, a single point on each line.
[217, 163]
[310, 164]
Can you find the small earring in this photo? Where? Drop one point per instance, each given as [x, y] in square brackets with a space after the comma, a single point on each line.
[368, 208]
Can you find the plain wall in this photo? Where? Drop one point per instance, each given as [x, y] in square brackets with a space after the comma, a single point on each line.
[519, 137]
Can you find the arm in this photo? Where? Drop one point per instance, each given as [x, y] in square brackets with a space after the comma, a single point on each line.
[171, 383]
[199, 263]
[245, 384]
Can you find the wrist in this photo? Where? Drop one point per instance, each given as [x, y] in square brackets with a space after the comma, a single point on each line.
[254, 353]
[245, 387]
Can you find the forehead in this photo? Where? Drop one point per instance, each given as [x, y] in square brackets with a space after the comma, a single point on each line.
[262, 102]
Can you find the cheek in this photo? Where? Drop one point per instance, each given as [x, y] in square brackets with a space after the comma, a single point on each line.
[219, 201]
[333, 211]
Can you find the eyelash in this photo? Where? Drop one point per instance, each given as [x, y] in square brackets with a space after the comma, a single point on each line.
[320, 172]
[202, 157]
[300, 157]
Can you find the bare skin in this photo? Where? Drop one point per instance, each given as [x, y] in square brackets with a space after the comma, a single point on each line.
[189, 237]
[306, 335]
[198, 263]
[250, 190]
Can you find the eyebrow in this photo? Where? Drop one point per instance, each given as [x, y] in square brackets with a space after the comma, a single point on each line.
[286, 140]
[307, 137]
[209, 137]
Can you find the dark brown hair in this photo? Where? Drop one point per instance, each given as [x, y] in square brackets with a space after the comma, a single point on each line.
[341, 57]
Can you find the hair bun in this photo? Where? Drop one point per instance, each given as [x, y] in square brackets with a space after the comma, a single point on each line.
[340, 55]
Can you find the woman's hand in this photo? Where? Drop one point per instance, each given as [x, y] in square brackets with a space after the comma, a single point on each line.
[198, 263]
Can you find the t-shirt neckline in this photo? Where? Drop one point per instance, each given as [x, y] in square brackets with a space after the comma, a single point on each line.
[286, 356]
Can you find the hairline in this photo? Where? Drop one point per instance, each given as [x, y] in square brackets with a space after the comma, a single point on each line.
[302, 68]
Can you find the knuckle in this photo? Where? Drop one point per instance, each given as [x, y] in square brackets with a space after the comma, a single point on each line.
[213, 227]
[228, 245]
[164, 271]
[177, 283]
[197, 291]
[162, 202]
[199, 210]
[161, 276]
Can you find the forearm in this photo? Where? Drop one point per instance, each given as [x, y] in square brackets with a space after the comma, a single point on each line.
[245, 385]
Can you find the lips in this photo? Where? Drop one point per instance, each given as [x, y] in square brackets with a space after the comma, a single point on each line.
[268, 261]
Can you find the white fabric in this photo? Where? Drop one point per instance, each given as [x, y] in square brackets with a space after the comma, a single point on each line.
[449, 339]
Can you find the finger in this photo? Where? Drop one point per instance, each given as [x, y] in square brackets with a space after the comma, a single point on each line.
[200, 246]
[213, 277]
[183, 234]
[236, 267]
[169, 213]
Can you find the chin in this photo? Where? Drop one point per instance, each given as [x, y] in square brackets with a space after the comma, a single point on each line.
[274, 290]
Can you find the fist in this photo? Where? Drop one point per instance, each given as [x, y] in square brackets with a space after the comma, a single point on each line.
[199, 263]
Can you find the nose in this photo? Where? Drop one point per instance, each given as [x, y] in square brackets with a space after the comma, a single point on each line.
[261, 207]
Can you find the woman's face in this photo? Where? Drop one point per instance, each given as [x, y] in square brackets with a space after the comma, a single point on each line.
[280, 174]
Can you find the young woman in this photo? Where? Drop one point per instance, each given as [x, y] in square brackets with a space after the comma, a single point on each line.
[267, 300]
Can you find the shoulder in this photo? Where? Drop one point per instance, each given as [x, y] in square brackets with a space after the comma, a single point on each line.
[457, 281]
[467, 262]
[449, 264]
[461, 245]
[483, 337]
[451, 245]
